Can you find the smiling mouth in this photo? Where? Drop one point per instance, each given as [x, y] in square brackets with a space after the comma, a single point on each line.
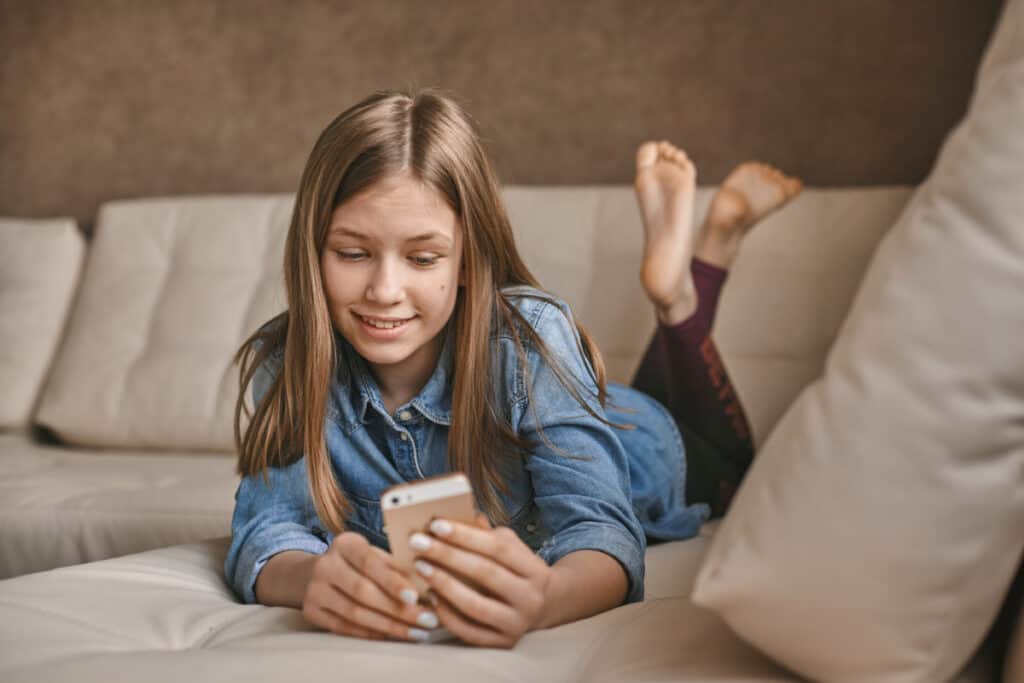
[383, 323]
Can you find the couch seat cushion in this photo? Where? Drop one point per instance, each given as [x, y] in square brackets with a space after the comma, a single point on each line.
[64, 506]
[168, 615]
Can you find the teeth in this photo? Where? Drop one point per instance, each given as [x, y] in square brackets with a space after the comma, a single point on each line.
[382, 324]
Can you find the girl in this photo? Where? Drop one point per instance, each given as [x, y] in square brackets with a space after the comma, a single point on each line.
[416, 342]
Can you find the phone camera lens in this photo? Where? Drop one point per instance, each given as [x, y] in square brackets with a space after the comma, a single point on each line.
[394, 500]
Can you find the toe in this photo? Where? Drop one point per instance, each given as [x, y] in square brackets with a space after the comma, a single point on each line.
[646, 155]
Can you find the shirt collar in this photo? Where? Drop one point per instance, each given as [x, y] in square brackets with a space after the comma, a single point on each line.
[434, 401]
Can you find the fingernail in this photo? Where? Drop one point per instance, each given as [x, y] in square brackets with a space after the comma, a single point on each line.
[427, 620]
[409, 596]
[419, 541]
[440, 527]
[423, 568]
[418, 634]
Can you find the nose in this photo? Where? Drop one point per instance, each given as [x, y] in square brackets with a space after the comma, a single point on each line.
[385, 286]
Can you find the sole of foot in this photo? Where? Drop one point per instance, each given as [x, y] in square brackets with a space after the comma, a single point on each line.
[751, 192]
[665, 188]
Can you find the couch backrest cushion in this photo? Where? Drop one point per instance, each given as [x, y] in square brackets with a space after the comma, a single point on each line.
[878, 529]
[782, 303]
[172, 288]
[40, 262]
[175, 285]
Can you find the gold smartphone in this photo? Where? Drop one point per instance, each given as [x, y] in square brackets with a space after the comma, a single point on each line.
[408, 508]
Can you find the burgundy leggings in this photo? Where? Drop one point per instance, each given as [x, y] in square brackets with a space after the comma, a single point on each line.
[682, 369]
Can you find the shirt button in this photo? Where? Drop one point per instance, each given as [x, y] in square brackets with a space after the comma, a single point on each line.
[403, 436]
[531, 527]
[405, 416]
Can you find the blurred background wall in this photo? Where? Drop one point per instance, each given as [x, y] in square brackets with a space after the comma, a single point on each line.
[105, 99]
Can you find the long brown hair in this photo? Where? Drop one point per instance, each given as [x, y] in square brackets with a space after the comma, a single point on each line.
[429, 136]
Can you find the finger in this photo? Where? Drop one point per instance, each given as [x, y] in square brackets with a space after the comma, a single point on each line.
[501, 544]
[470, 567]
[371, 620]
[373, 568]
[344, 581]
[329, 621]
[482, 521]
[494, 613]
[470, 632]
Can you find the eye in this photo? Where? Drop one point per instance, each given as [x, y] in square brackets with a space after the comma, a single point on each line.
[424, 261]
[349, 255]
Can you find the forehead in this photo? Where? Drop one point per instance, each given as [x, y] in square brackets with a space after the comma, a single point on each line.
[398, 207]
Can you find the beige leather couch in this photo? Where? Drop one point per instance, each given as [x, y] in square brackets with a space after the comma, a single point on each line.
[113, 542]
[141, 391]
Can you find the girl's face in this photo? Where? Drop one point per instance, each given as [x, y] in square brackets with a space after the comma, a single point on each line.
[391, 269]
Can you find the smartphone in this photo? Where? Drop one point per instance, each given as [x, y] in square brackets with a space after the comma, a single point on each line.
[408, 508]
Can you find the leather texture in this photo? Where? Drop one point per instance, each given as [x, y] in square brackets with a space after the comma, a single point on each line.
[63, 506]
[167, 615]
[39, 267]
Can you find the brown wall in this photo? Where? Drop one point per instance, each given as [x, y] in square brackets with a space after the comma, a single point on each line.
[103, 99]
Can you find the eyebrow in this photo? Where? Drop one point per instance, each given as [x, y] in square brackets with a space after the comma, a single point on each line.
[424, 237]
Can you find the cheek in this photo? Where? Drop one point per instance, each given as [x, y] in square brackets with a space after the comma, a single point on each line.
[337, 284]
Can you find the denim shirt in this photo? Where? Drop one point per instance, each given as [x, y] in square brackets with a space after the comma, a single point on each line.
[558, 502]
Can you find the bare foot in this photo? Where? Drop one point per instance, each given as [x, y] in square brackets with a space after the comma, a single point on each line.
[752, 191]
[665, 186]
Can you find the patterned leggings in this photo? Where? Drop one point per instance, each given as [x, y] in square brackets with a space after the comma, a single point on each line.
[682, 369]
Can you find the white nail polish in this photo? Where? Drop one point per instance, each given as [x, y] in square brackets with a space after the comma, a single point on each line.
[418, 634]
[409, 596]
[423, 568]
[427, 620]
[419, 541]
[440, 527]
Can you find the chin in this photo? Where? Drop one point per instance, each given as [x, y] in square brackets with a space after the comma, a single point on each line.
[382, 357]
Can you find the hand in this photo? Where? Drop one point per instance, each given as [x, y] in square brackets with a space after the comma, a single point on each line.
[357, 590]
[512, 581]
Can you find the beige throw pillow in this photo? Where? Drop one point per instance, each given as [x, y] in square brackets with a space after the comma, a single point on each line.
[878, 529]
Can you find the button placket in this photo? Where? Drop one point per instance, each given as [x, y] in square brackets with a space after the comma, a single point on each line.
[407, 461]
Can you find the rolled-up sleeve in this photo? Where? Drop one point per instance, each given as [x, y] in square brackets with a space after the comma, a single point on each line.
[270, 516]
[578, 469]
